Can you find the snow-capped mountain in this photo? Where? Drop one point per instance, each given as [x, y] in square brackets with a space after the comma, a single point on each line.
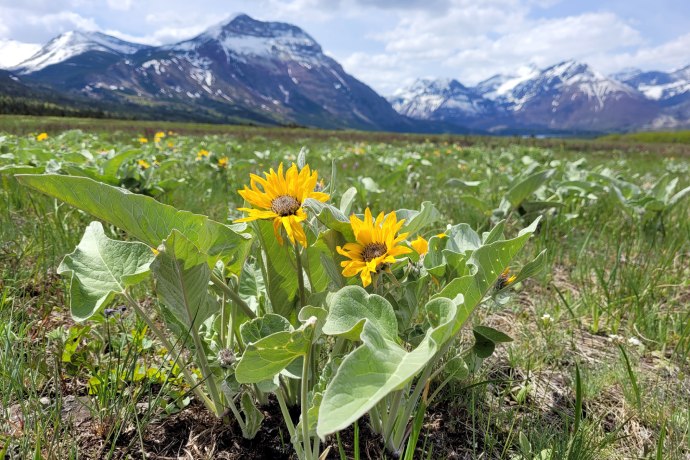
[660, 86]
[499, 87]
[73, 44]
[239, 70]
[566, 96]
[244, 70]
[441, 99]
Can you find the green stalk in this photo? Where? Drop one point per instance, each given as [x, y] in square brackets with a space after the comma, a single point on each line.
[234, 297]
[392, 412]
[300, 276]
[288, 421]
[306, 441]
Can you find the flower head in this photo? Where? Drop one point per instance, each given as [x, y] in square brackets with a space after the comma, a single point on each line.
[223, 162]
[203, 153]
[41, 137]
[279, 196]
[143, 140]
[505, 279]
[376, 246]
[143, 164]
[420, 245]
[158, 136]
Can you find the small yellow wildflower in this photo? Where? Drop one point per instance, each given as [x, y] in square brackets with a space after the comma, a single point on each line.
[170, 145]
[143, 140]
[158, 136]
[143, 164]
[41, 137]
[505, 280]
[223, 162]
[203, 153]
[376, 247]
[420, 245]
[280, 196]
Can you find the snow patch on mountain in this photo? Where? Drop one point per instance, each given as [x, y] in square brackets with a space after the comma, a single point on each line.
[74, 43]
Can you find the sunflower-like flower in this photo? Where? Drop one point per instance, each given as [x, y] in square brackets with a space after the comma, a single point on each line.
[280, 196]
[376, 246]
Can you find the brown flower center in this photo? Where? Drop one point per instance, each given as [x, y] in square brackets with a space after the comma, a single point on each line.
[373, 250]
[285, 205]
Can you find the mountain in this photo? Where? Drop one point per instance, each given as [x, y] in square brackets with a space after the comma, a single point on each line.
[442, 99]
[241, 70]
[248, 71]
[569, 96]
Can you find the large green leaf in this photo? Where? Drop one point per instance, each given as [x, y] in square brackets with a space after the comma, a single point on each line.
[143, 217]
[100, 268]
[488, 262]
[265, 358]
[182, 277]
[352, 306]
[379, 367]
[281, 271]
[525, 187]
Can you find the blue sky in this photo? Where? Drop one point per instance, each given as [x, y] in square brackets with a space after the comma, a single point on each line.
[388, 43]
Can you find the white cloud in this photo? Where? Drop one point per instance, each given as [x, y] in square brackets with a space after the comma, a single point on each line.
[13, 52]
[121, 5]
[472, 41]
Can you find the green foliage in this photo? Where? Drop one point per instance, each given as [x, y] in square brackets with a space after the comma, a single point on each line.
[101, 267]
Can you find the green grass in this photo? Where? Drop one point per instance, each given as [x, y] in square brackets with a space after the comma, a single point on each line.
[612, 274]
[672, 137]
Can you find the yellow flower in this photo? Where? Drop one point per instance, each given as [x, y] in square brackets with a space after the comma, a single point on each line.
[143, 164]
[376, 246]
[505, 280]
[279, 197]
[223, 162]
[420, 245]
[158, 136]
[203, 153]
[143, 140]
[41, 137]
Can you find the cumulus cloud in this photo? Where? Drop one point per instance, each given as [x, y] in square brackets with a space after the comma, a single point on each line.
[13, 52]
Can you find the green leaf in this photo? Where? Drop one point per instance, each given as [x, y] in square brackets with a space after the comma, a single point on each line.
[182, 275]
[675, 199]
[415, 221]
[456, 368]
[281, 271]
[258, 328]
[101, 267]
[491, 334]
[330, 216]
[525, 187]
[252, 416]
[533, 267]
[352, 306]
[379, 367]
[265, 358]
[347, 200]
[143, 217]
[112, 166]
[488, 263]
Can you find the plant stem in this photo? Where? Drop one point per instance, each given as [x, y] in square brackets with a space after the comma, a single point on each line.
[300, 276]
[234, 297]
[288, 421]
[306, 441]
[392, 412]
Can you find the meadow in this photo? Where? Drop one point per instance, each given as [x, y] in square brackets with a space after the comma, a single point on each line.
[576, 345]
